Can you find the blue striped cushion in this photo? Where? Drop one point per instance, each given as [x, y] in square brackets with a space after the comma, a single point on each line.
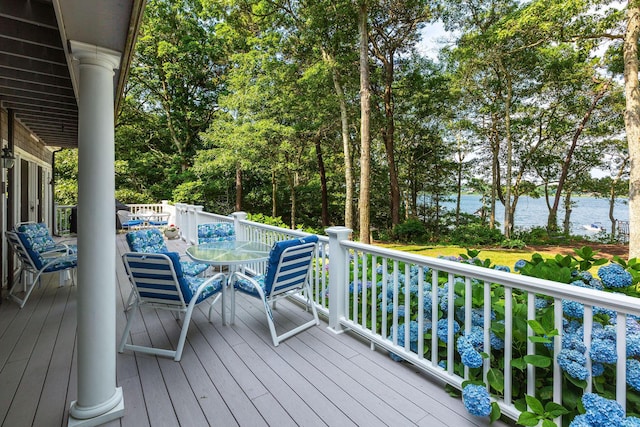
[276, 252]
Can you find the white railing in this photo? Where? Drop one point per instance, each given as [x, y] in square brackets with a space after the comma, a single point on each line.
[416, 307]
[62, 220]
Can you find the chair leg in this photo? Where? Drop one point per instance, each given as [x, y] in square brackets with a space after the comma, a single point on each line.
[224, 317]
[183, 332]
[127, 328]
[233, 305]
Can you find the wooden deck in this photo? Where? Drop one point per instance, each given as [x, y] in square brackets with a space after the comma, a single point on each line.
[228, 376]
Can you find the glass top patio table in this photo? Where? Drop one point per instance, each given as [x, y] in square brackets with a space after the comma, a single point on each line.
[229, 253]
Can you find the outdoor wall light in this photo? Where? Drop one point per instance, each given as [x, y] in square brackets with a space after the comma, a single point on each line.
[7, 158]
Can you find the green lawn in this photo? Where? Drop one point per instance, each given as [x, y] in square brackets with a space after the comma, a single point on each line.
[498, 256]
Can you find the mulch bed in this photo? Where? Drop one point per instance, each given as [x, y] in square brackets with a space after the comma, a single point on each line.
[604, 250]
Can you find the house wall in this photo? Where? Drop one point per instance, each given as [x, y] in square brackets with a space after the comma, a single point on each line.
[28, 183]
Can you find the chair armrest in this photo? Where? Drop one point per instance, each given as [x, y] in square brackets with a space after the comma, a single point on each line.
[51, 261]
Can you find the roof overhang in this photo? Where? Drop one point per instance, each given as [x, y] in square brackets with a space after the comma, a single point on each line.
[38, 76]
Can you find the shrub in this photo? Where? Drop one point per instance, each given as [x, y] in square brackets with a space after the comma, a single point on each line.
[474, 235]
[410, 230]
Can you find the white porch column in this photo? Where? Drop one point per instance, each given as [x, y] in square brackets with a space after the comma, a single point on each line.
[99, 400]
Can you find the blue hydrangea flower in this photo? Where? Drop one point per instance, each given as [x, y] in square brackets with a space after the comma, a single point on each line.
[580, 421]
[633, 373]
[400, 309]
[631, 422]
[573, 363]
[596, 284]
[502, 268]
[472, 359]
[427, 304]
[597, 369]
[572, 309]
[633, 345]
[357, 286]
[541, 303]
[603, 346]
[585, 276]
[467, 349]
[476, 400]
[601, 411]
[603, 351]
[443, 329]
[519, 265]
[413, 338]
[574, 341]
[615, 276]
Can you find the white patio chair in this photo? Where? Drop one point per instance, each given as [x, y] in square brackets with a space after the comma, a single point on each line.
[35, 263]
[158, 282]
[287, 273]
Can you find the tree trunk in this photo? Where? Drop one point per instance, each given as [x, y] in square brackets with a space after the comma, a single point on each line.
[612, 196]
[323, 183]
[508, 219]
[495, 170]
[292, 188]
[238, 188]
[389, 143]
[274, 189]
[567, 213]
[632, 122]
[346, 145]
[552, 223]
[365, 113]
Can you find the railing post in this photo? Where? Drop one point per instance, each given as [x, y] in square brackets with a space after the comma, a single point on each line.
[179, 211]
[338, 273]
[193, 225]
[239, 229]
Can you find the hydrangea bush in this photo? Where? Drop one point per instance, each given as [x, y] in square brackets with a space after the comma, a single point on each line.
[618, 276]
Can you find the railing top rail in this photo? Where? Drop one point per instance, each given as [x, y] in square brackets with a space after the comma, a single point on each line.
[277, 229]
[219, 217]
[618, 302]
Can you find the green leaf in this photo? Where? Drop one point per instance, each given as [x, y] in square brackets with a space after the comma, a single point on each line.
[495, 412]
[543, 340]
[519, 363]
[528, 419]
[534, 404]
[496, 379]
[536, 327]
[538, 361]
[578, 383]
[555, 410]
[548, 423]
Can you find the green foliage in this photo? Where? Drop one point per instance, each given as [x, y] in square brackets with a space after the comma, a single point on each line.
[410, 230]
[264, 219]
[539, 414]
[128, 196]
[475, 235]
[632, 266]
[66, 177]
[512, 244]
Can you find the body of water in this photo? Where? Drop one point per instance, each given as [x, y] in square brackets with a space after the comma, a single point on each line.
[532, 212]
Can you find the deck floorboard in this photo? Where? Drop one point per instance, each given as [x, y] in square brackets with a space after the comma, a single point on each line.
[229, 375]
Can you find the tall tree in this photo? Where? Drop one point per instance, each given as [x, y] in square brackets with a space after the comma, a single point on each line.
[178, 70]
[394, 31]
[365, 127]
